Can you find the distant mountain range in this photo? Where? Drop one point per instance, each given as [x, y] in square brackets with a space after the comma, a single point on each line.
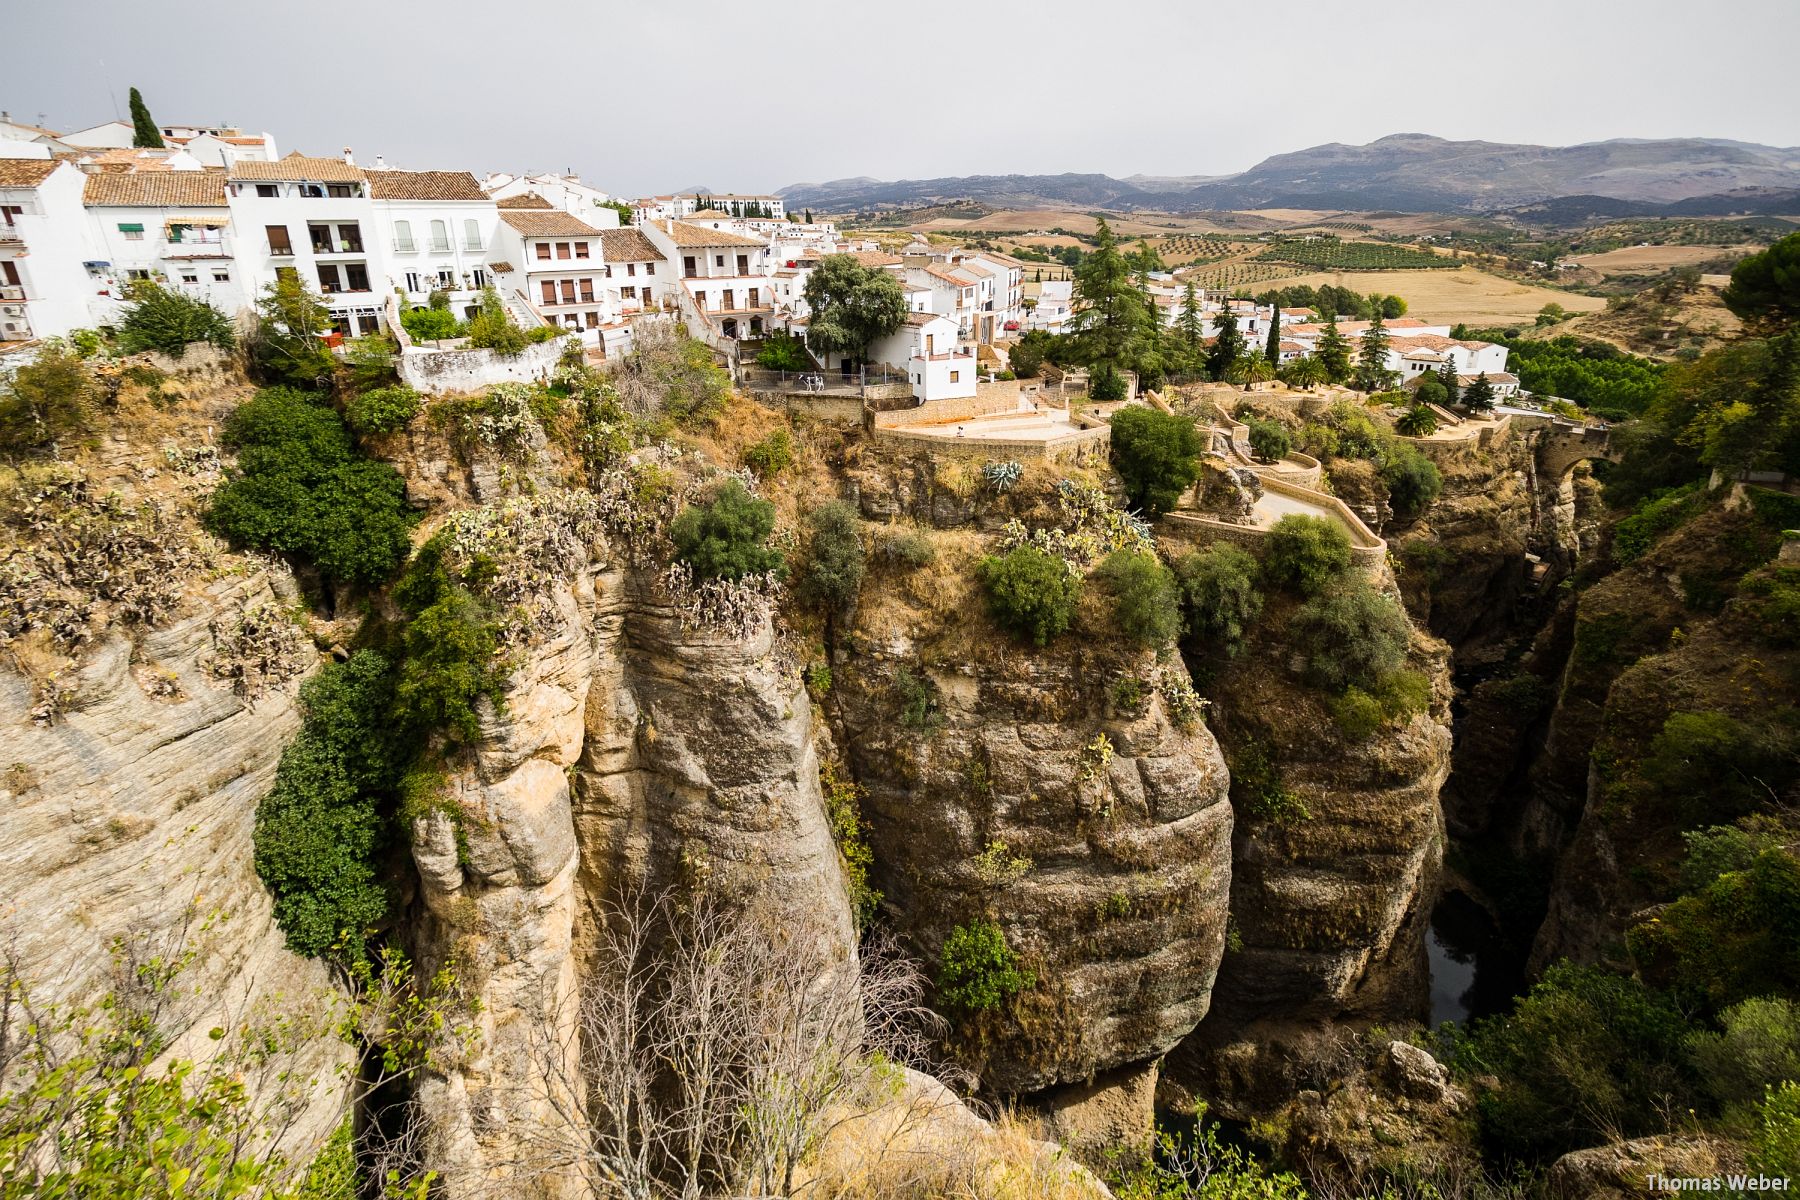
[1407, 172]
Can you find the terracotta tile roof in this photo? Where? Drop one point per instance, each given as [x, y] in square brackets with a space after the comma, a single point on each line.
[34, 128]
[125, 158]
[699, 235]
[239, 141]
[26, 172]
[156, 189]
[530, 200]
[969, 268]
[876, 258]
[424, 185]
[1006, 259]
[924, 318]
[501, 268]
[298, 168]
[1433, 341]
[628, 245]
[946, 274]
[533, 223]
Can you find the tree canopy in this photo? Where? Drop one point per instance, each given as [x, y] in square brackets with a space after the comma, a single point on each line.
[144, 132]
[1765, 288]
[1111, 318]
[852, 306]
[1156, 454]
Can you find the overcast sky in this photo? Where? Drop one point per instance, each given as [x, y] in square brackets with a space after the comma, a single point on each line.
[758, 94]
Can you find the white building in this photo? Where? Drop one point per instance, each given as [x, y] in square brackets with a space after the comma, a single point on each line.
[1008, 294]
[435, 230]
[1055, 305]
[723, 284]
[548, 263]
[313, 216]
[45, 284]
[173, 227]
[937, 363]
[636, 269]
[107, 134]
[744, 205]
[565, 192]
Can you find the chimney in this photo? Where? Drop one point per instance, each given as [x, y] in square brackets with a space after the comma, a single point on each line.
[669, 226]
[349, 158]
[381, 162]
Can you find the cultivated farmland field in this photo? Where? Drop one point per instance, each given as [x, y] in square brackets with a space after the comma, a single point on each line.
[1647, 260]
[1333, 255]
[1463, 294]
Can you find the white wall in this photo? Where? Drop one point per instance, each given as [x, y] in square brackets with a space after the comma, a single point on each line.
[416, 271]
[52, 242]
[197, 254]
[252, 214]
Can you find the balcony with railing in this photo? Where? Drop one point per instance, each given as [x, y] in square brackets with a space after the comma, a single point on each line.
[219, 247]
[11, 234]
[12, 293]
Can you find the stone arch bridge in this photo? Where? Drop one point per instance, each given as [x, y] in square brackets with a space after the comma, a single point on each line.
[1562, 444]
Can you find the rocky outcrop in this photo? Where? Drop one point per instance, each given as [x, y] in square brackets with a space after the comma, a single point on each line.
[129, 818]
[1625, 1170]
[1113, 864]
[1331, 896]
[633, 753]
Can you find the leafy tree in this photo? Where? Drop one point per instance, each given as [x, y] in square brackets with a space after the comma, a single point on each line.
[1446, 377]
[1190, 325]
[1765, 287]
[492, 328]
[167, 321]
[1350, 636]
[1430, 391]
[1030, 352]
[1392, 306]
[1732, 940]
[1111, 321]
[1156, 454]
[782, 351]
[285, 346]
[1413, 481]
[1227, 346]
[1479, 396]
[381, 410]
[1417, 421]
[977, 970]
[449, 644]
[725, 537]
[144, 130]
[832, 573]
[47, 400]
[1333, 352]
[1304, 372]
[427, 324]
[1269, 440]
[1031, 592]
[300, 489]
[852, 306]
[1219, 585]
[1756, 1048]
[1372, 373]
[369, 362]
[1272, 348]
[1146, 603]
[1305, 554]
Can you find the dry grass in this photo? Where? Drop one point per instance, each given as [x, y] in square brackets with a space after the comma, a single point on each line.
[1465, 294]
[1647, 260]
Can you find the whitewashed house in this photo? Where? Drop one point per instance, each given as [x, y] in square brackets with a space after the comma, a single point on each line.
[436, 229]
[313, 216]
[637, 270]
[549, 264]
[45, 283]
[722, 284]
[1055, 305]
[565, 192]
[1009, 291]
[106, 135]
[173, 227]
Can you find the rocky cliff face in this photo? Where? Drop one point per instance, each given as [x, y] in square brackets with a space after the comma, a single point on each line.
[634, 752]
[1329, 909]
[964, 740]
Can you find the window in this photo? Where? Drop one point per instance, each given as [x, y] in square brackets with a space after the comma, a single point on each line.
[447, 280]
[568, 291]
[133, 233]
[543, 251]
[137, 273]
[587, 291]
[278, 239]
[178, 233]
[593, 320]
[312, 191]
[649, 268]
[718, 260]
[190, 277]
[629, 293]
[728, 301]
[414, 282]
[608, 270]
[321, 238]
[687, 266]
[549, 286]
[329, 280]
[478, 277]
[955, 375]
[440, 237]
[581, 250]
[341, 191]
[221, 276]
[471, 234]
[351, 237]
[755, 300]
[367, 322]
[630, 268]
[562, 249]
[9, 211]
[403, 239]
[268, 191]
[356, 277]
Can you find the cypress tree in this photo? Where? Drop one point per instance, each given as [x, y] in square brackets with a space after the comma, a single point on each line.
[1110, 321]
[1227, 346]
[1447, 377]
[1372, 374]
[1334, 352]
[1272, 351]
[143, 127]
[1480, 396]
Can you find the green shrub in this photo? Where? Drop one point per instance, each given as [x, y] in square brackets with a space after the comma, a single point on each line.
[1269, 440]
[1585, 1057]
[382, 410]
[320, 828]
[918, 700]
[1257, 789]
[1712, 765]
[977, 970]
[1651, 520]
[166, 322]
[1305, 554]
[1757, 1047]
[1736, 938]
[369, 362]
[781, 351]
[47, 400]
[1418, 421]
[1412, 480]
[725, 537]
[492, 328]
[771, 456]
[1524, 695]
[1720, 850]
[833, 570]
[1357, 714]
[1106, 383]
[301, 490]
[843, 809]
[450, 642]
[1775, 1148]
[1360, 713]
[1031, 592]
[672, 373]
[1156, 454]
[285, 343]
[909, 549]
[1146, 602]
[1771, 599]
[1219, 585]
[1351, 636]
[430, 324]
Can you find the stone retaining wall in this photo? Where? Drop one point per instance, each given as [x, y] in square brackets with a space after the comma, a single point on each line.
[1367, 550]
[1082, 446]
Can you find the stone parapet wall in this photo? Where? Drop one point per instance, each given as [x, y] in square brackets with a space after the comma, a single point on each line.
[1080, 446]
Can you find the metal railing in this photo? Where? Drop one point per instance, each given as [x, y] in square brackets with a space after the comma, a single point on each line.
[817, 383]
[9, 292]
